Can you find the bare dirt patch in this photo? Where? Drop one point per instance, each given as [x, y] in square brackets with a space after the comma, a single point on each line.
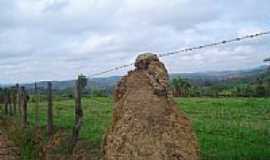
[8, 150]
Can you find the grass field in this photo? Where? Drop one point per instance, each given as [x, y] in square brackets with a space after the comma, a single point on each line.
[227, 128]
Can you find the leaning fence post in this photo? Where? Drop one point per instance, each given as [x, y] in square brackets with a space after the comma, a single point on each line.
[50, 110]
[36, 106]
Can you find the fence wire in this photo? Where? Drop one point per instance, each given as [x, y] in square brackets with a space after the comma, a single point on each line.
[185, 50]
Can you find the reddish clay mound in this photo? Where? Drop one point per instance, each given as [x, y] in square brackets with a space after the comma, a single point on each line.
[146, 124]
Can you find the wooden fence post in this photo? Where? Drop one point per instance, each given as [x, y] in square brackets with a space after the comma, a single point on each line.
[36, 106]
[50, 110]
[6, 101]
[24, 98]
[19, 100]
[78, 112]
[10, 102]
[14, 99]
[79, 85]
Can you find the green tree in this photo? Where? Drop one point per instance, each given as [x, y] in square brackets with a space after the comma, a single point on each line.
[180, 87]
[99, 93]
[260, 91]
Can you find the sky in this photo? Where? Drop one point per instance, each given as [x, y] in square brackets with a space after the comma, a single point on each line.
[59, 39]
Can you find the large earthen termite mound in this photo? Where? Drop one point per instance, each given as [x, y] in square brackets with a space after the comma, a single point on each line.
[146, 123]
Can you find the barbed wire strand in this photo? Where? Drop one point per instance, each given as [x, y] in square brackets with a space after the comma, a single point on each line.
[170, 53]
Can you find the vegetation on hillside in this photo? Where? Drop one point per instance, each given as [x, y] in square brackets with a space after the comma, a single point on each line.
[244, 83]
[250, 86]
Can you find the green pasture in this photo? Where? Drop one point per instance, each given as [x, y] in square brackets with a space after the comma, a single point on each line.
[226, 128]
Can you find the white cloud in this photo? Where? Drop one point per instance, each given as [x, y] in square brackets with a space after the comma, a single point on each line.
[57, 39]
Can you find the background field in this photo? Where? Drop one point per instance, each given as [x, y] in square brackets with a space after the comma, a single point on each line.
[227, 128]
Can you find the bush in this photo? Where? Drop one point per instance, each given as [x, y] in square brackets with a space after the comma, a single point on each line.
[99, 93]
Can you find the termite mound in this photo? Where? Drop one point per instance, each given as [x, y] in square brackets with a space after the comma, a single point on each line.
[146, 123]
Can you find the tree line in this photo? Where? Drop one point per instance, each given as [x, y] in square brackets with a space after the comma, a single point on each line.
[260, 87]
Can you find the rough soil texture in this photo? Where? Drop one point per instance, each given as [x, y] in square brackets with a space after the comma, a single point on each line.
[8, 150]
[146, 124]
[58, 146]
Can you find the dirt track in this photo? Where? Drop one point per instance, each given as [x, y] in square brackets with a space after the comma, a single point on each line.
[8, 150]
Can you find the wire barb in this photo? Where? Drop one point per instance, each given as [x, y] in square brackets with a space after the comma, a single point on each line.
[166, 54]
[112, 69]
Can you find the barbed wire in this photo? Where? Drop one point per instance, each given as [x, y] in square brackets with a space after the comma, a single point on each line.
[185, 50]
[214, 44]
[111, 70]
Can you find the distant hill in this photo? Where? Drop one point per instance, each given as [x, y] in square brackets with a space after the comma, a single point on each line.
[95, 83]
[219, 77]
[195, 78]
